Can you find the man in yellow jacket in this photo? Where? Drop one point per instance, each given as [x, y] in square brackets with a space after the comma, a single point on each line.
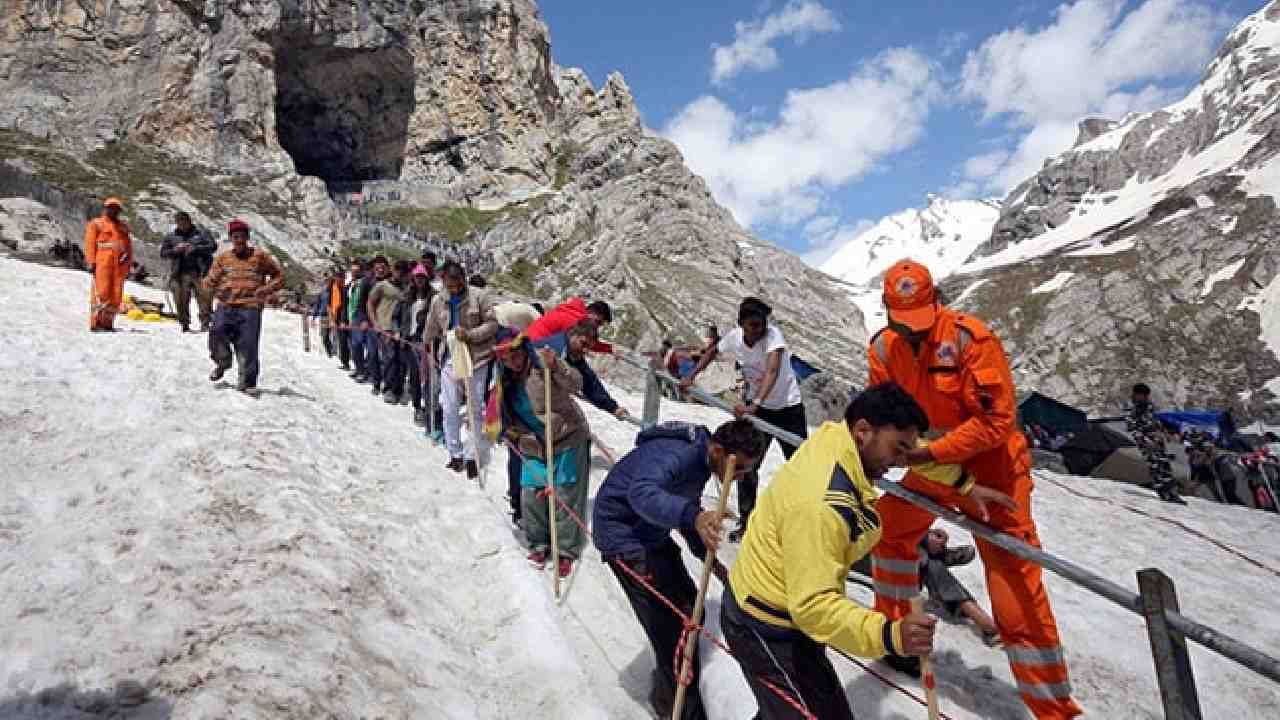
[786, 597]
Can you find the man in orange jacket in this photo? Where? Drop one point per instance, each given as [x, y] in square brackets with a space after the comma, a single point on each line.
[956, 369]
[108, 250]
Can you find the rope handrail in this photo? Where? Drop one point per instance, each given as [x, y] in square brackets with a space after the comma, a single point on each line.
[1224, 645]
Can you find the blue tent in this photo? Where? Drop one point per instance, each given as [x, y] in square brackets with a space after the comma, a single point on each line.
[1184, 420]
[802, 369]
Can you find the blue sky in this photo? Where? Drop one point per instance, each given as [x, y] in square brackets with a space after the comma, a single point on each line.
[813, 118]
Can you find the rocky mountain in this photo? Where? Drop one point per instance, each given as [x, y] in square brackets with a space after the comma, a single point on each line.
[449, 117]
[943, 234]
[1148, 251]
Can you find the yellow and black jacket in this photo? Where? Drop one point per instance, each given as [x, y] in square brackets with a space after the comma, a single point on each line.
[809, 526]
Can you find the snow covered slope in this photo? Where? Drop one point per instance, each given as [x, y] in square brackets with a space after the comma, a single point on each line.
[942, 235]
[306, 555]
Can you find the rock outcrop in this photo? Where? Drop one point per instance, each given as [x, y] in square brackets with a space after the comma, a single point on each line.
[267, 109]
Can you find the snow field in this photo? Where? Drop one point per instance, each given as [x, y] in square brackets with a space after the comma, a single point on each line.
[306, 555]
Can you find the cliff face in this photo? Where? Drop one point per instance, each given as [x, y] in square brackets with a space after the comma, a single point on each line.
[267, 109]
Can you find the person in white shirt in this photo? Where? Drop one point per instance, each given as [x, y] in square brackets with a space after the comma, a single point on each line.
[773, 391]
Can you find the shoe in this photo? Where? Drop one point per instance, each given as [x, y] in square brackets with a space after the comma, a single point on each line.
[454, 464]
[404, 399]
[419, 417]
[566, 567]
[735, 535]
[473, 470]
[360, 378]
[186, 328]
[355, 373]
[390, 398]
[249, 390]
[962, 555]
[991, 639]
[538, 559]
[909, 666]
[661, 696]
[1173, 498]
[218, 372]
[377, 389]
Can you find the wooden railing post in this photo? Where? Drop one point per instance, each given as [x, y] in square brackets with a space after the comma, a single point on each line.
[1168, 647]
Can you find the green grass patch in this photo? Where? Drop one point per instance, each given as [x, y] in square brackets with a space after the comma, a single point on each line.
[455, 224]
[370, 250]
[565, 156]
[520, 278]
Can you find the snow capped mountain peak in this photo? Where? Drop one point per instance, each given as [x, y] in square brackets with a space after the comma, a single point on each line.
[942, 235]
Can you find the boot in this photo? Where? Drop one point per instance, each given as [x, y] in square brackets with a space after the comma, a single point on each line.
[962, 555]
[390, 398]
[186, 328]
[377, 388]
[218, 371]
[473, 470]
[454, 464]
[419, 417]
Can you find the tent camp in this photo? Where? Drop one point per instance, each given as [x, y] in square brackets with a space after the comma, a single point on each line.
[1185, 420]
[1090, 447]
[1055, 416]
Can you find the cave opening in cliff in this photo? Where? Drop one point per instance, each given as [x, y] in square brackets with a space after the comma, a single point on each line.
[342, 114]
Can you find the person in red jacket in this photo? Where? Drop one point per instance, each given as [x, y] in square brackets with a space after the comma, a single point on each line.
[569, 313]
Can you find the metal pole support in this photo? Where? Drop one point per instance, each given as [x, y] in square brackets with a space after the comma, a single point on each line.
[652, 400]
[1168, 647]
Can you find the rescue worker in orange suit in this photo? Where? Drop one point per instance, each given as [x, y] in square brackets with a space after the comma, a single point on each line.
[957, 370]
[238, 280]
[108, 250]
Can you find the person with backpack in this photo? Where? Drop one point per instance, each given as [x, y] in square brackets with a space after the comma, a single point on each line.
[773, 391]
[652, 490]
[190, 251]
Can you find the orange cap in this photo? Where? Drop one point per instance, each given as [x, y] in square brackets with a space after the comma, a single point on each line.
[909, 295]
[113, 201]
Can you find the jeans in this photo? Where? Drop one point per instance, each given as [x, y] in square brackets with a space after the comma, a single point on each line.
[238, 329]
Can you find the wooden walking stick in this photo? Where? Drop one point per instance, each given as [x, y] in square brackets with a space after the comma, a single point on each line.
[306, 333]
[691, 641]
[926, 668]
[551, 483]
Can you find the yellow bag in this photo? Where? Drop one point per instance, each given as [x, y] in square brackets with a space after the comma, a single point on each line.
[152, 317]
[135, 314]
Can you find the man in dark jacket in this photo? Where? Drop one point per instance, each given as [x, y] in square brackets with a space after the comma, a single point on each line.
[654, 489]
[190, 250]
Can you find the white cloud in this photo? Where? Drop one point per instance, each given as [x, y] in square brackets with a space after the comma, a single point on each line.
[752, 47]
[1087, 62]
[823, 138]
[829, 237]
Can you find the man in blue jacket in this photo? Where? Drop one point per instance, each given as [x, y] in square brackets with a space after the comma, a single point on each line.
[654, 489]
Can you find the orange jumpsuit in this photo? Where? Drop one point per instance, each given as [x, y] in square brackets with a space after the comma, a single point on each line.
[961, 378]
[108, 247]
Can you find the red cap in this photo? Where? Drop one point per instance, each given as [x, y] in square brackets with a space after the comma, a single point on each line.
[909, 295]
[237, 225]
